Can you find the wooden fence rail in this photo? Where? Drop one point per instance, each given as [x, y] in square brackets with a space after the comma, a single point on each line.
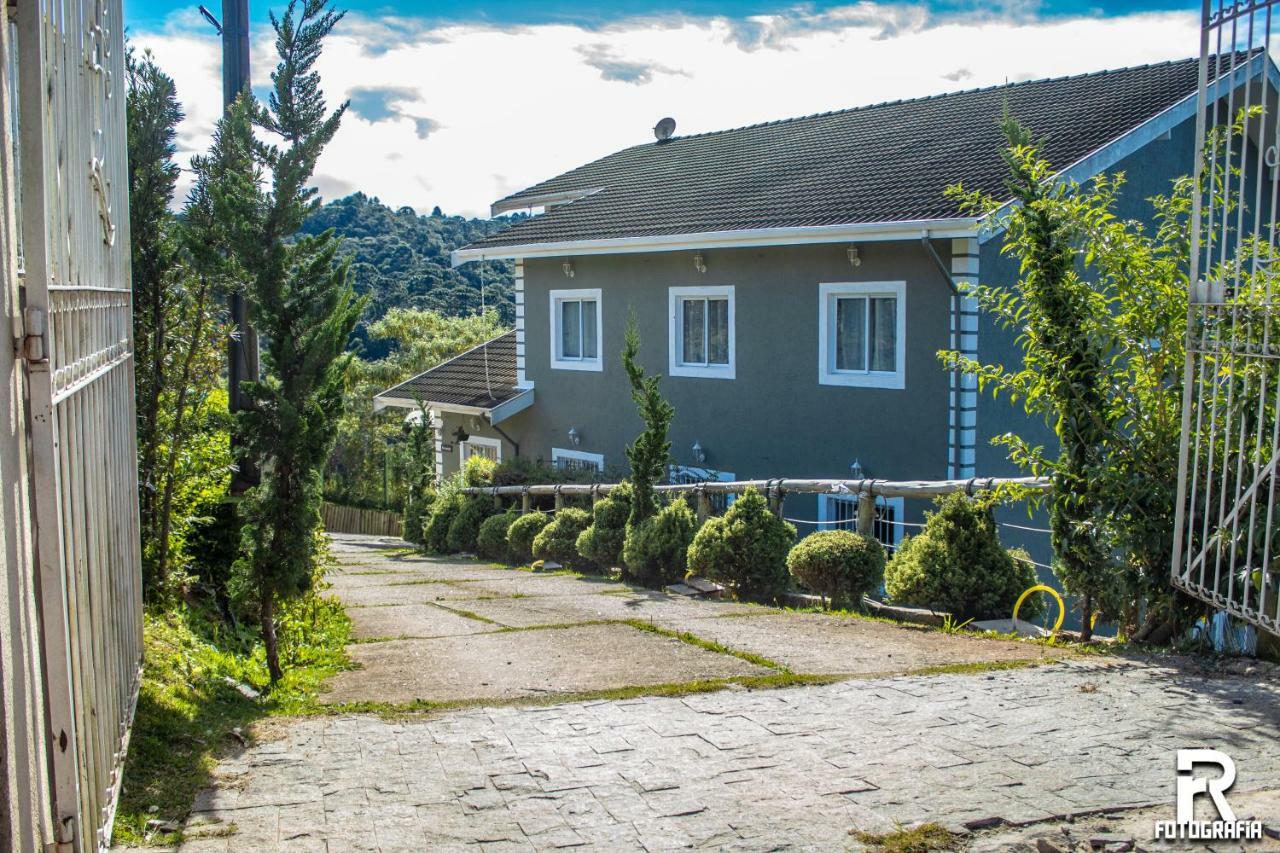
[370, 522]
[775, 490]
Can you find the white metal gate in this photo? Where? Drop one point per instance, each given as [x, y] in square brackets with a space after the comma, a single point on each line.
[72, 204]
[1226, 531]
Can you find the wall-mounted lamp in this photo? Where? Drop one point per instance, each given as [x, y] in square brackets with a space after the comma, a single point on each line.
[567, 266]
[575, 437]
[699, 455]
[699, 263]
[854, 258]
[855, 470]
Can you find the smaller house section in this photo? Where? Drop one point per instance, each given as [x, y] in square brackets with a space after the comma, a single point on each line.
[467, 398]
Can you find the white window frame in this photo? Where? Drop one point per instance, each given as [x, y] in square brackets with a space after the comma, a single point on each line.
[675, 336]
[828, 293]
[558, 453]
[708, 474]
[585, 294]
[479, 441]
[826, 513]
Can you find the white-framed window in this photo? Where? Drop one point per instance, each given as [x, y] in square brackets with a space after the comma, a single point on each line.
[478, 445]
[576, 460]
[577, 325]
[702, 334]
[694, 474]
[840, 512]
[862, 334]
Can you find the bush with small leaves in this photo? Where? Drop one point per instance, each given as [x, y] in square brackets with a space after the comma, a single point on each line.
[522, 532]
[465, 526]
[957, 565]
[478, 471]
[601, 543]
[491, 541]
[745, 549]
[839, 565]
[656, 551]
[435, 537]
[558, 541]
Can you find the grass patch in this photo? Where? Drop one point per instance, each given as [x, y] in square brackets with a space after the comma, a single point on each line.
[709, 645]
[390, 711]
[972, 668]
[465, 613]
[190, 712]
[925, 838]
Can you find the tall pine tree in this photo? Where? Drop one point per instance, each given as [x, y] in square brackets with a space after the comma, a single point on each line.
[301, 302]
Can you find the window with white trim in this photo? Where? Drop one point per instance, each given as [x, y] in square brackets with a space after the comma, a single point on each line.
[576, 460]
[576, 329]
[702, 333]
[478, 445]
[862, 334]
[689, 474]
[840, 512]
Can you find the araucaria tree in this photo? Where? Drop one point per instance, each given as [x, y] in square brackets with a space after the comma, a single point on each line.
[300, 301]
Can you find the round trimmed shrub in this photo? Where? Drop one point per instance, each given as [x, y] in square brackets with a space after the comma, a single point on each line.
[601, 542]
[435, 537]
[839, 565]
[745, 549]
[957, 565]
[465, 526]
[521, 533]
[491, 541]
[559, 540]
[656, 551]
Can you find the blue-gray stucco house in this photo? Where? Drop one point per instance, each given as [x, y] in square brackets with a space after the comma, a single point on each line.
[794, 282]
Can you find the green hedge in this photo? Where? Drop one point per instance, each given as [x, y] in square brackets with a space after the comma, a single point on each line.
[521, 533]
[491, 541]
[601, 543]
[656, 551]
[839, 565]
[465, 526]
[745, 549]
[559, 540]
[435, 537]
[956, 564]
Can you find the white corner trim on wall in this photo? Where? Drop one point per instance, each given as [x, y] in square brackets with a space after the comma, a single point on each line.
[522, 380]
[962, 426]
[828, 292]
[675, 333]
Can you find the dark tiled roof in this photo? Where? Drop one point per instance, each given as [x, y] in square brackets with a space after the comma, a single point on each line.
[461, 380]
[888, 162]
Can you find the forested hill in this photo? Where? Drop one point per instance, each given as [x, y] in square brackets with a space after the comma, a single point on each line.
[402, 259]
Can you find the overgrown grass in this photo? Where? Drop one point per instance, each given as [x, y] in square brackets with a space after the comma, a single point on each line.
[925, 838]
[191, 713]
[710, 645]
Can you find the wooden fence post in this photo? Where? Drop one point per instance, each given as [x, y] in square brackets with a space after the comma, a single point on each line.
[866, 513]
[559, 504]
[704, 506]
[525, 502]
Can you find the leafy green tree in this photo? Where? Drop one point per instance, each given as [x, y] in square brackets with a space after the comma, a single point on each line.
[183, 448]
[1101, 310]
[300, 300]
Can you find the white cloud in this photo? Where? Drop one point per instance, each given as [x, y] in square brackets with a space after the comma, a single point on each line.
[482, 111]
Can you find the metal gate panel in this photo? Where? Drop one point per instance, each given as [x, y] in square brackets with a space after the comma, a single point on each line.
[78, 314]
[1226, 539]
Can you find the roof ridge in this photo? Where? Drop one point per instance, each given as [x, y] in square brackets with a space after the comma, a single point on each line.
[924, 98]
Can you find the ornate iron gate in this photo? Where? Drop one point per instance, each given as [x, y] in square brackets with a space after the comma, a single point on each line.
[77, 343]
[1226, 541]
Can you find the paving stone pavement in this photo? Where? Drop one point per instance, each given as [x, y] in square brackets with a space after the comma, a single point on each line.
[794, 768]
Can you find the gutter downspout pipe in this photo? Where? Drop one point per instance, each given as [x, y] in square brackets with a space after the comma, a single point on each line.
[514, 444]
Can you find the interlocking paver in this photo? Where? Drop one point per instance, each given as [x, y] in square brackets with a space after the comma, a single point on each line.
[792, 768]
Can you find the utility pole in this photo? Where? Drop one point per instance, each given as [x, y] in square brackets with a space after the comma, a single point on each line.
[242, 345]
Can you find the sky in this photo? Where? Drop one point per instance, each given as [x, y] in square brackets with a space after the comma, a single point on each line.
[457, 104]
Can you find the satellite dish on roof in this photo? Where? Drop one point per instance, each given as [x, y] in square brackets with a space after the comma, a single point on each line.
[664, 129]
